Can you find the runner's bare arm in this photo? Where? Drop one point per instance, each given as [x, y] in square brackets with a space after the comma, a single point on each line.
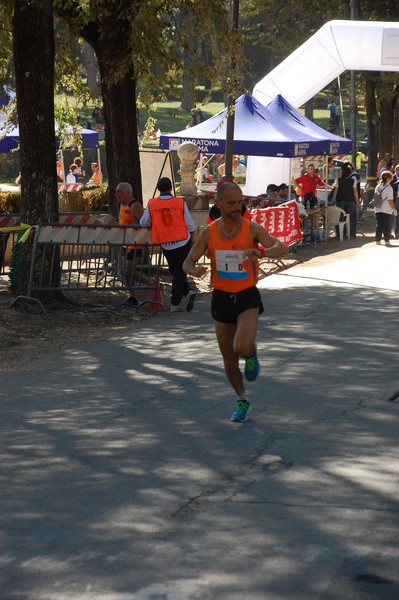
[273, 246]
[195, 254]
[137, 210]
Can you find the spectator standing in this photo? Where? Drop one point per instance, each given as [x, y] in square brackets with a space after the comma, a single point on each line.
[172, 227]
[197, 117]
[345, 193]
[232, 243]
[332, 107]
[98, 116]
[237, 167]
[330, 176]
[382, 164]
[334, 114]
[60, 172]
[384, 212]
[130, 213]
[72, 175]
[81, 173]
[395, 187]
[309, 182]
[355, 175]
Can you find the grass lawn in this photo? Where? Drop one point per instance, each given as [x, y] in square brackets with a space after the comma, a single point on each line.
[170, 117]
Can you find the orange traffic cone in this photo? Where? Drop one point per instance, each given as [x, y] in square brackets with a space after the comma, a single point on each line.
[156, 300]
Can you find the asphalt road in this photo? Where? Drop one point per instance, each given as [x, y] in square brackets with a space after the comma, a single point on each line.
[122, 477]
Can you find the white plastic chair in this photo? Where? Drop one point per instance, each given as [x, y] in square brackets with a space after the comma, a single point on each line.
[333, 218]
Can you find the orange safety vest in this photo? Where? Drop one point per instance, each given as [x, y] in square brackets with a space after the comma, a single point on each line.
[230, 273]
[167, 217]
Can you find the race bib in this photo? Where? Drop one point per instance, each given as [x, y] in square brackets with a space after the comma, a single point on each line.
[229, 264]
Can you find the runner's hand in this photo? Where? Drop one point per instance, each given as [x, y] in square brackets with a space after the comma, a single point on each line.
[252, 253]
[198, 271]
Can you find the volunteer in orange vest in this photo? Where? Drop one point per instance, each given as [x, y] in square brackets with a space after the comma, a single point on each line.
[171, 227]
[232, 243]
[130, 212]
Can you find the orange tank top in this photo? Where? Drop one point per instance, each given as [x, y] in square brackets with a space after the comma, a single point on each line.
[96, 177]
[125, 217]
[167, 217]
[230, 273]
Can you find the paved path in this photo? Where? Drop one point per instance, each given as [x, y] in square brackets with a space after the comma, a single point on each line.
[122, 477]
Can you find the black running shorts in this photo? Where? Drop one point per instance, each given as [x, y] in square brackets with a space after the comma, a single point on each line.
[133, 253]
[226, 307]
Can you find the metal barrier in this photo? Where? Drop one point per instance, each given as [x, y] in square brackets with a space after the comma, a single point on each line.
[9, 221]
[77, 257]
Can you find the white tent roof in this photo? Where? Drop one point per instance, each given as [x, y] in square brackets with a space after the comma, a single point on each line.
[338, 46]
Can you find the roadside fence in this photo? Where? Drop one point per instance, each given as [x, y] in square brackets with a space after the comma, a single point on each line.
[106, 257]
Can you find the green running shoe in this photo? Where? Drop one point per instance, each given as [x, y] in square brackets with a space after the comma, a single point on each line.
[241, 411]
[251, 370]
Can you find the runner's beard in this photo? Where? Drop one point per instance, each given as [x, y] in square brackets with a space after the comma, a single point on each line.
[233, 216]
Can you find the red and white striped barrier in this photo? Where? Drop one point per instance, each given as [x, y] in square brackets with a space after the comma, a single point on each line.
[70, 187]
[322, 158]
[87, 234]
[10, 222]
[87, 219]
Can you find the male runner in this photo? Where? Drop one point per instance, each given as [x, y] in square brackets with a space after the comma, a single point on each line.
[232, 245]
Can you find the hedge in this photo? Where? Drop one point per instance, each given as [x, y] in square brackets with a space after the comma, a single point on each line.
[87, 200]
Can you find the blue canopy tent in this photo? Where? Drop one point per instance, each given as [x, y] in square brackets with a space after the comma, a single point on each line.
[9, 140]
[260, 131]
[291, 117]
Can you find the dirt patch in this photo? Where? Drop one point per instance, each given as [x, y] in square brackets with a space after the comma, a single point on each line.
[26, 332]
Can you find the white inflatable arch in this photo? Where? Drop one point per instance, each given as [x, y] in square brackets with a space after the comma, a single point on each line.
[337, 47]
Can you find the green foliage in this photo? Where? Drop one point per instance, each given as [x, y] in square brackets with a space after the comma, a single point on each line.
[240, 178]
[10, 202]
[6, 9]
[149, 128]
[94, 199]
[87, 200]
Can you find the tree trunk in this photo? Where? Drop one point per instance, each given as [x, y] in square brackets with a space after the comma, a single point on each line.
[91, 67]
[189, 73]
[111, 43]
[33, 39]
[386, 121]
[309, 109]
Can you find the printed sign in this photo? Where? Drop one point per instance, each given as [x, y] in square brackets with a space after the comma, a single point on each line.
[282, 222]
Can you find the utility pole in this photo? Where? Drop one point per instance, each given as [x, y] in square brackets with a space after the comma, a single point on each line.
[353, 94]
[231, 100]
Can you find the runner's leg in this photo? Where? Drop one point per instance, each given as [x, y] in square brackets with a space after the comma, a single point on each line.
[225, 334]
[244, 339]
[138, 275]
